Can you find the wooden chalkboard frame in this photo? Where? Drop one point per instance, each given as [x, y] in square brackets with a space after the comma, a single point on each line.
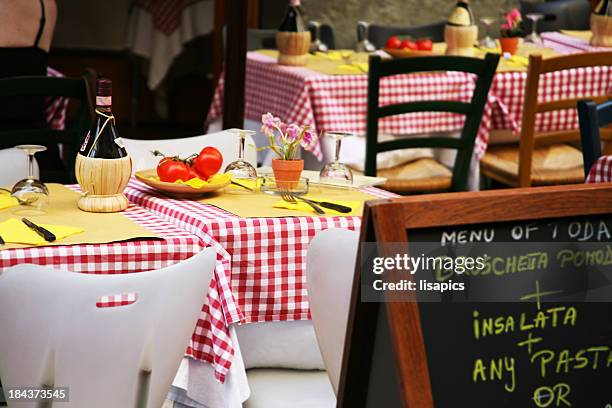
[387, 221]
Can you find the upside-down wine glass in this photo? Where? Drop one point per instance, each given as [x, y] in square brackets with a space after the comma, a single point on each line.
[534, 37]
[317, 45]
[336, 172]
[31, 193]
[244, 175]
[363, 43]
[488, 41]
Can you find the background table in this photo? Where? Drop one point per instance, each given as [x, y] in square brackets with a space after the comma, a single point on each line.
[338, 102]
[158, 29]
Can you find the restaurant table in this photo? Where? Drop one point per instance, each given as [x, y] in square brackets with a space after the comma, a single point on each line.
[601, 172]
[158, 29]
[114, 257]
[265, 258]
[338, 102]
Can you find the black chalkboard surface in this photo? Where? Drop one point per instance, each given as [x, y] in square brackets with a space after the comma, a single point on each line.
[514, 338]
[549, 347]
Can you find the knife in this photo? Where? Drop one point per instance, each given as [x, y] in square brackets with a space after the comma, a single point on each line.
[46, 234]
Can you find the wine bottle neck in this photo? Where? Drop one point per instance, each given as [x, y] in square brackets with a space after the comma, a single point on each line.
[104, 103]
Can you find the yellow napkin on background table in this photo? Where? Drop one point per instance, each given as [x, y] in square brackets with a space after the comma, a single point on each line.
[6, 201]
[16, 232]
[302, 206]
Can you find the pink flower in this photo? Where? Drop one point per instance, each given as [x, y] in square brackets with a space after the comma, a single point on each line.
[505, 26]
[269, 123]
[514, 15]
[293, 132]
[309, 140]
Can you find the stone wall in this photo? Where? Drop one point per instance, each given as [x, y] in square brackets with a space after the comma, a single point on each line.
[344, 14]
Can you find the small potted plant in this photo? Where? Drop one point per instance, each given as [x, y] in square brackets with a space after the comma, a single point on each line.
[285, 141]
[511, 31]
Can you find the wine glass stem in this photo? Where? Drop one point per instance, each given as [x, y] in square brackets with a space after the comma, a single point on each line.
[241, 148]
[534, 28]
[30, 165]
[337, 155]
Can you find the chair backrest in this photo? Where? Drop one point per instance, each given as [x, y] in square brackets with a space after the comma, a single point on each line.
[592, 117]
[57, 332]
[265, 38]
[531, 107]
[484, 69]
[226, 142]
[330, 266]
[72, 136]
[378, 34]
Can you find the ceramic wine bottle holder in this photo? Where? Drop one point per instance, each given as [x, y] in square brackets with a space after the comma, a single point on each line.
[601, 26]
[102, 182]
[460, 40]
[293, 47]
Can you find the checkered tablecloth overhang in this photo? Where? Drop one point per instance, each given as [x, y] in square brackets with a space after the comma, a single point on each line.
[265, 258]
[338, 102]
[601, 172]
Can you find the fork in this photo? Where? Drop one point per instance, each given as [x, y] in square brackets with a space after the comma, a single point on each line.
[290, 198]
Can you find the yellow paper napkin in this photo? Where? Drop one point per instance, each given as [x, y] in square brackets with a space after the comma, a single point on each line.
[355, 67]
[214, 179]
[6, 201]
[16, 232]
[302, 206]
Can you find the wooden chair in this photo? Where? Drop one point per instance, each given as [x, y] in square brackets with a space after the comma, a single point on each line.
[543, 158]
[427, 174]
[592, 118]
[71, 137]
[378, 34]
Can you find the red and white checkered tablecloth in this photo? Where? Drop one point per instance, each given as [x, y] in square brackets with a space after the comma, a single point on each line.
[569, 43]
[339, 102]
[166, 14]
[265, 257]
[601, 172]
[55, 112]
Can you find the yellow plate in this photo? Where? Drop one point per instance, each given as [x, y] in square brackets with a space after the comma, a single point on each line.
[149, 177]
[410, 53]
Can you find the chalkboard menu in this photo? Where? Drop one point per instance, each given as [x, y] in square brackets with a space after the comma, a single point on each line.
[533, 328]
[549, 343]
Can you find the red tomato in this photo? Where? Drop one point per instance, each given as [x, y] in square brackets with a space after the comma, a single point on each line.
[424, 44]
[171, 169]
[208, 161]
[193, 173]
[393, 42]
[408, 45]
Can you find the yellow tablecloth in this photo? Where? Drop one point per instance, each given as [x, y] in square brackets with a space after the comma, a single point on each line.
[347, 62]
[98, 228]
[255, 205]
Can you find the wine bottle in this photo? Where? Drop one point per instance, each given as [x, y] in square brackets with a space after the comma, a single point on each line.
[102, 141]
[293, 21]
[603, 7]
[461, 15]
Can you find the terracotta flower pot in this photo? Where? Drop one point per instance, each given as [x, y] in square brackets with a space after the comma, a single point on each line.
[287, 172]
[509, 44]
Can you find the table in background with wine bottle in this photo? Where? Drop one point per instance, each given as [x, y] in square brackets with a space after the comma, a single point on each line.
[338, 102]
